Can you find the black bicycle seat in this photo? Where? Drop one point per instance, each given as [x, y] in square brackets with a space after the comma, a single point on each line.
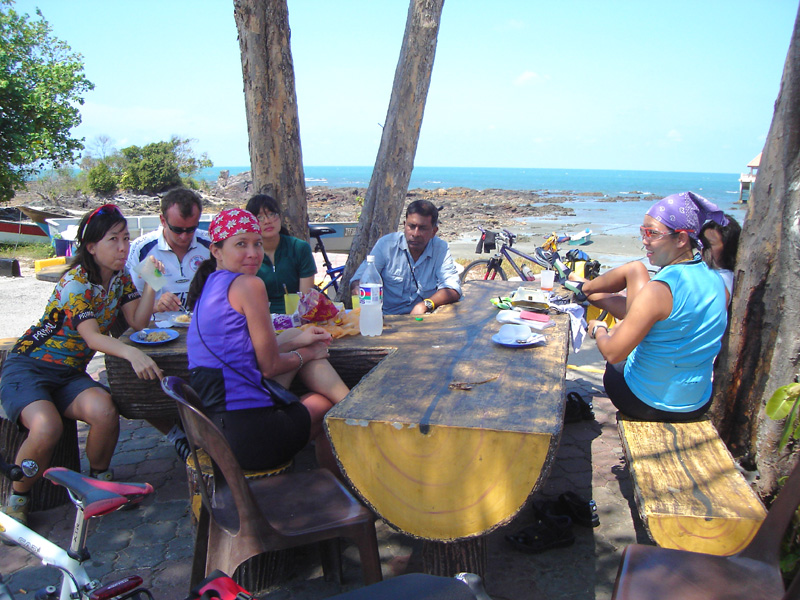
[96, 497]
[315, 230]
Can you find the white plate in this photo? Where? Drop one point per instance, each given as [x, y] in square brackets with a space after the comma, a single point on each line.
[531, 341]
[139, 336]
[175, 323]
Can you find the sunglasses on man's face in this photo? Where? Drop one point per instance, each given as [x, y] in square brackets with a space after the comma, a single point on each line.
[180, 230]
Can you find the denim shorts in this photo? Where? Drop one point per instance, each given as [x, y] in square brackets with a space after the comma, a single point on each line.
[24, 380]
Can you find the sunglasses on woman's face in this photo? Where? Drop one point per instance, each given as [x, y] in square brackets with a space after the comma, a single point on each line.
[106, 209]
[651, 234]
[267, 216]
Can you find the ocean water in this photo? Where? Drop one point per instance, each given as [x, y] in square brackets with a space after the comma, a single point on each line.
[639, 189]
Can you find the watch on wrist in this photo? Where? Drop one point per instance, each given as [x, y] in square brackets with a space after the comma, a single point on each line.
[429, 304]
[594, 329]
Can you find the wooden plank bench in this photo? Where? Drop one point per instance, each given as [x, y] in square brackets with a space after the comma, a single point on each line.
[690, 494]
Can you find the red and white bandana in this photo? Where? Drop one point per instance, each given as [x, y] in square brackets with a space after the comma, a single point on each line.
[232, 221]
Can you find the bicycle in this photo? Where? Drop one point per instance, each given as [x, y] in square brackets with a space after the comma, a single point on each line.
[92, 498]
[492, 268]
[334, 273]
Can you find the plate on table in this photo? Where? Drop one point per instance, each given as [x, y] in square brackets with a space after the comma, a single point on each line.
[533, 340]
[180, 320]
[162, 336]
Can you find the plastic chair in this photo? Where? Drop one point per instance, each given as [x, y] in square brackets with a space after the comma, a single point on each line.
[242, 519]
[652, 573]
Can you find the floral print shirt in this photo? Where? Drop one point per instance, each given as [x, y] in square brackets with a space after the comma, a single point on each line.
[55, 337]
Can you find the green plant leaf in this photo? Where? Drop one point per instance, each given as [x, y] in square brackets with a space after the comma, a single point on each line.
[789, 425]
[782, 400]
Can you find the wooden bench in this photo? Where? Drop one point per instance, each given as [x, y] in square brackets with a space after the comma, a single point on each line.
[690, 494]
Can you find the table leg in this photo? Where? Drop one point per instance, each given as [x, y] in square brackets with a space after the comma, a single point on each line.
[446, 559]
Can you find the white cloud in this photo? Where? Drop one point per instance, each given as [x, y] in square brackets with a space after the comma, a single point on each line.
[529, 77]
[673, 135]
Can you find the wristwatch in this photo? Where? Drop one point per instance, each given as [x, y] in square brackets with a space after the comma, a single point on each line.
[594, 329]
[429, 304]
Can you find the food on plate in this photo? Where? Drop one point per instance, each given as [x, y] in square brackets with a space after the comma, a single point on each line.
[184, 318]
[156, 336]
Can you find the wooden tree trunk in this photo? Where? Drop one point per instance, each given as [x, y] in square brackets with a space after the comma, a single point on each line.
[762, 349]
[273, 127]
[388, 186]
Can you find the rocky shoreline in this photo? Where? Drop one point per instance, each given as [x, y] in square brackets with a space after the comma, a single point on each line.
[462, 210]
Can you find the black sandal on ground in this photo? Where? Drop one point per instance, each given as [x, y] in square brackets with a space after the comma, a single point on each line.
[583, 512]
[545, 534]
[577, 409]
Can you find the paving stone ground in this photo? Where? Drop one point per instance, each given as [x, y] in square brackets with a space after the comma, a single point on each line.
[155, 541]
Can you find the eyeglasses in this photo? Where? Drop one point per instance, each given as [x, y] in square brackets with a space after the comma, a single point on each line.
[656, 234]
[180, 230]
[268, 216]
[106, 209]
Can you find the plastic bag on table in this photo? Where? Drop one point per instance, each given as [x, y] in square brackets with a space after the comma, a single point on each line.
[316, 307]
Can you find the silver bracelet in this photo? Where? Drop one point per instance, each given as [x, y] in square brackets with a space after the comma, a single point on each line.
[300, 356]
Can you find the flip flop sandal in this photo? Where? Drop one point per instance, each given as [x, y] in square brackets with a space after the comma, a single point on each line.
[547, 533]
[583, 512]
[577, 409]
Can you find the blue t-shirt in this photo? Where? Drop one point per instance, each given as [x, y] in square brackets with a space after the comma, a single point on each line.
[671, 367]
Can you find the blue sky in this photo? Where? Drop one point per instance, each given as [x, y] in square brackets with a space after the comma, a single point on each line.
[663, 86]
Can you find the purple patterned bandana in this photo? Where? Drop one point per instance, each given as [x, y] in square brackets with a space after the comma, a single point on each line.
[686, 212]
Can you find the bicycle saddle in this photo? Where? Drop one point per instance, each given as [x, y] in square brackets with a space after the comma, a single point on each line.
[318, 230]
[95, 497]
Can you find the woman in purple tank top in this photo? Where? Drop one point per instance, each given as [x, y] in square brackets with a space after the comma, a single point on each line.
[232, 347]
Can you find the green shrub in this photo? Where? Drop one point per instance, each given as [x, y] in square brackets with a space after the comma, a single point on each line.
[101, 180]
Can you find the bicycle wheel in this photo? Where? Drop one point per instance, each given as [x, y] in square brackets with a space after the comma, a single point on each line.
[480, 270]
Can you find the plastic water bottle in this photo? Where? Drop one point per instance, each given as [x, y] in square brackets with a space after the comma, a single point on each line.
[370, 298]
[526, 271]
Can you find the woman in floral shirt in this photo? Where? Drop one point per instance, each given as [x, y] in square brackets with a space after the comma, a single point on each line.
[44, 376]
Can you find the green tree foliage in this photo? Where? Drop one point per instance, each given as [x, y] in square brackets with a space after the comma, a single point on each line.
[41, 87]
[150, 169]
[102, 180]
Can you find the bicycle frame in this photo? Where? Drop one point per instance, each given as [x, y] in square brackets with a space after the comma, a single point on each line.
[74, 576]
[506, 251]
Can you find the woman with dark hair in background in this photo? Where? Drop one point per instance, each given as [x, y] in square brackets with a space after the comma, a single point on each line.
[44, 376]
[288, 264]
[720, 244]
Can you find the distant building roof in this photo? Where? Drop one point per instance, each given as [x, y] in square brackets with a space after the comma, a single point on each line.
[753, 164]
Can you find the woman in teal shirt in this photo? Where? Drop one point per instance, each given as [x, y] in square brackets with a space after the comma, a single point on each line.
[288, 264]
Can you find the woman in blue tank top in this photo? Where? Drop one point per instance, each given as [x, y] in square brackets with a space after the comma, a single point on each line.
[661, 355]
[232, 347]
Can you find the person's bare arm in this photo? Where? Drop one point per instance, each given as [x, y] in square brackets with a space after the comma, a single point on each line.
[652, 304]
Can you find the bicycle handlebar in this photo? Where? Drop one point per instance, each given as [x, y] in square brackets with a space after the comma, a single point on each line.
[13, 472]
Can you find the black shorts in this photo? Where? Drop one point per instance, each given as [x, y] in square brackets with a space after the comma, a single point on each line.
[630, 405]
[265, 438]
[25, 380]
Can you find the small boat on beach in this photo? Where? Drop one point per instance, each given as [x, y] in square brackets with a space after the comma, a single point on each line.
[15, 229]
[577, 239]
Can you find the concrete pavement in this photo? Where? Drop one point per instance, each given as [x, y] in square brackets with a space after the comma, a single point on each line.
[155, 541]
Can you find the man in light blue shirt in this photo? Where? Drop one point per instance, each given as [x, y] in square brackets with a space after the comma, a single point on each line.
[417, 269]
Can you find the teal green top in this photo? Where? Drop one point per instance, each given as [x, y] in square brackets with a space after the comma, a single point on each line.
[293, 261]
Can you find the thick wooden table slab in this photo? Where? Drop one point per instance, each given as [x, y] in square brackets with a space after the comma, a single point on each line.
[435, 462]
[443, 463]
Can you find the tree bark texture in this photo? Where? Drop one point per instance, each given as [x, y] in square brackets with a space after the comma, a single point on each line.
[273, 126]
[762, 348]
[388, 186]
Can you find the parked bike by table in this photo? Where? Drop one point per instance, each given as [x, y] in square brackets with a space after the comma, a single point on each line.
[92, 498]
